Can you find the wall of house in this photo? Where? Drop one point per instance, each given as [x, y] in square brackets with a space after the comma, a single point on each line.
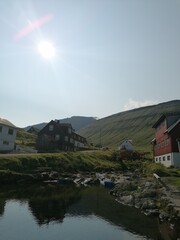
[163, 147]
[175, 135]
[7, 138]
[126, 145]
[165, 159]
[176, 158]
[170, 159]
[78, 144]
[163, 140]
[160, 129]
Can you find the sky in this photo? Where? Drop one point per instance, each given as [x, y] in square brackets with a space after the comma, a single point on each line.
[108, 56]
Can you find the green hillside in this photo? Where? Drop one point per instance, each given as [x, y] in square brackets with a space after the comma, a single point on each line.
[135, 124]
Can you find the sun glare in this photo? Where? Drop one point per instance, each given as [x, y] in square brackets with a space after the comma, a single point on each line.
[46, 49]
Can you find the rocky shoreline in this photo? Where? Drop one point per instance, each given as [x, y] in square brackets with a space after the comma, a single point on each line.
[132, 189]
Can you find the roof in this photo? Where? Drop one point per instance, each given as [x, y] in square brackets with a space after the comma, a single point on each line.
[173, 126]
[5, 122]
[125, 140]
[166, 115]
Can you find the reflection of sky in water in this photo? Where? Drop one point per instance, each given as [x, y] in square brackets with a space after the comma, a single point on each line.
[18, 223]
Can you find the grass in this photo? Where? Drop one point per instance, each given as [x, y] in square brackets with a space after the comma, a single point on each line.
[61, 162]
[25, 139]
[134, 124]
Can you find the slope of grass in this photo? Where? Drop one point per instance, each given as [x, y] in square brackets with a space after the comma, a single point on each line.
[61, 162]
[25, 139]
[134, 124]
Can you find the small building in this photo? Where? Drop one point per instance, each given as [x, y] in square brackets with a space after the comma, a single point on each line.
[126, 145]
[7, 135]
[166, 144]
[33, 130]
[59, 136]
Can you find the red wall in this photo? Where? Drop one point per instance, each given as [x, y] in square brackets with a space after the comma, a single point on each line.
[175, 135]
[163, 141]
[166, 143]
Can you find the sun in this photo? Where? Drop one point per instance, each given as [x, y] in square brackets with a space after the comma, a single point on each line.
[46, 50]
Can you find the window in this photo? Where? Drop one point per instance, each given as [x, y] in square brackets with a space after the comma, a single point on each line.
[57, 137]
[168, 157]
[10, 132]
[164, 158]
[156, 159]
[0, 129]
[51, 127]
[5, 142]
[160, 159]
[69, 130]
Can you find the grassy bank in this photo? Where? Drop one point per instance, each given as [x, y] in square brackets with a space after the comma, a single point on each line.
[61, 162]
[24, 166]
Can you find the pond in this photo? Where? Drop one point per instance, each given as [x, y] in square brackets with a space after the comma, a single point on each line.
[70, 213]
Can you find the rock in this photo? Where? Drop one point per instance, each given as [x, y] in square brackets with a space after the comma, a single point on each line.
[164, 216]
[149, 193]
[147, 184]
[54, 175]
[148, 204]
[153, 212]
[127, 200]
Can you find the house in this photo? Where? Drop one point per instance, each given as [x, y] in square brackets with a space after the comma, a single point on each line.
[59, 136]
[166, 144]
[126, 145]
[7, 135]
[33, 130]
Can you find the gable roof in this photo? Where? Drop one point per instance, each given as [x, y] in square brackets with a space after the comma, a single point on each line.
[60, 127]
[173, 126]
[171, 117]
[5, 122]
[125, 140]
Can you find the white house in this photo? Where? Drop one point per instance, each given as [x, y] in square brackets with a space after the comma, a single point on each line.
[7, 135]
[126, 145]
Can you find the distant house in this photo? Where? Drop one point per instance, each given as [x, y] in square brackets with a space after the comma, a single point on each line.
[33, 130]
[7, 135]
[59, 136]
[126, 145]
[166, 144]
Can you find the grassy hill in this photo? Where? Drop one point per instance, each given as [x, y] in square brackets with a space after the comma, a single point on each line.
[135, 124]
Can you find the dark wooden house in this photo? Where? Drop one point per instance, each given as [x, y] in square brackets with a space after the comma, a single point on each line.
[58, 136]
[167, 140]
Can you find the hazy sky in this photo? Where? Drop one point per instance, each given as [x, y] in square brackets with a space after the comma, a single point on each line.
[110, 56]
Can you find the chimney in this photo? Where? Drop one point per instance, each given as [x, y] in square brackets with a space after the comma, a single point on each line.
[57, 121]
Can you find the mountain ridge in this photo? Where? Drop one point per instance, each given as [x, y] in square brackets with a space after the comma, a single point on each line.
[77, 122]
[135, 124]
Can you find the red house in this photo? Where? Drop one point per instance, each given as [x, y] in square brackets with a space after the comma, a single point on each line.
[166, 144]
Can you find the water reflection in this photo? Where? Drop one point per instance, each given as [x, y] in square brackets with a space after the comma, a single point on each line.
[49, 204]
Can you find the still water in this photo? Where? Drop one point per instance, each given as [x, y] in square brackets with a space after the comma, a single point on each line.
[69, 213]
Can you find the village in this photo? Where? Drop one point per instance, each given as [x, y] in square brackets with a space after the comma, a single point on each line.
[130, 186]
[61, 136]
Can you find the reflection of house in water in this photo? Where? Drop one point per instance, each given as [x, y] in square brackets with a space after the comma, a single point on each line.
[52, 206]
[51, 203]
[48, 210]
